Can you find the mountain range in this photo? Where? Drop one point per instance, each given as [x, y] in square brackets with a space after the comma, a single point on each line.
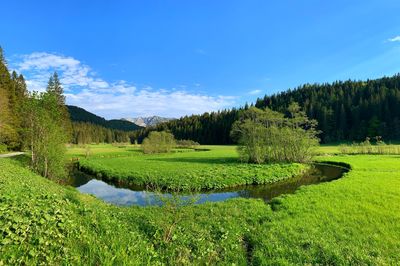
[147, 121]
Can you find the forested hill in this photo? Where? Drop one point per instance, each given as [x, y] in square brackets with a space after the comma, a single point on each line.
[345, 111]
[78, 114]
[350, 110]
[208, 128]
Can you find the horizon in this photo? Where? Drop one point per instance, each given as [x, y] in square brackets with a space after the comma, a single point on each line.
[172, 59]
[248, 103]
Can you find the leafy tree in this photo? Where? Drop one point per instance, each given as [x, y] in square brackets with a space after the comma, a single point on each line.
[269, 136]
[45, 134]
[158, 142]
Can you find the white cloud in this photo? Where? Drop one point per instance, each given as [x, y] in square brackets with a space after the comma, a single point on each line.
[148, 102]
[113, 99]
[73, 73]
[395, 39]
[255, 92]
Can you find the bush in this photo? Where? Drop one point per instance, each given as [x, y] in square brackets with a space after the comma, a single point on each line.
[158, 142]
[186, 143]
[268, 136]
[3, 147]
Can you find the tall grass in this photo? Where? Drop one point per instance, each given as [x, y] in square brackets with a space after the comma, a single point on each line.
[366, 147]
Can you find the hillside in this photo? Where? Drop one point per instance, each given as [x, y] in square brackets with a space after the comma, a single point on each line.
[78, 114]
[349, 110]
[345, 111]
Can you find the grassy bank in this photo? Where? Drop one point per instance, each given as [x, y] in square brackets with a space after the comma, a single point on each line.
[213, 167]
[353, 220]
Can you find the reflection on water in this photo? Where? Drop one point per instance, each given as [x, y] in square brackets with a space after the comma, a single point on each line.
[136, 195]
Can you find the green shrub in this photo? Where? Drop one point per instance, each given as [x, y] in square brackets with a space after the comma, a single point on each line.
[269, 136]
[158, 142]
[186, 144]
[3, 147]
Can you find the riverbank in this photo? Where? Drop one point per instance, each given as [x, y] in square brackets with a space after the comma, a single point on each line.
[214, 167]
[353, 220]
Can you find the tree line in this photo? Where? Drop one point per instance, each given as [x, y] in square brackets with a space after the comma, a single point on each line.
[208, 128]
[13, 94]
[349, 110]
[78, 114]
[37, 121]
[86, 133]
[345, 111]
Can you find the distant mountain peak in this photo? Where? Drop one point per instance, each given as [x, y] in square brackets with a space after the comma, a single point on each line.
[147, 121]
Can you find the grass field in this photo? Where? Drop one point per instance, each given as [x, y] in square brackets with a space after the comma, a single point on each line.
[213, 167]
[353, 220]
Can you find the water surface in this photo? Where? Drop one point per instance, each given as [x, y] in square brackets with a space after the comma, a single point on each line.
[137, 195]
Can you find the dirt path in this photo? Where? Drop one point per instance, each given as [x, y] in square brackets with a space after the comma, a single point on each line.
[11, 154]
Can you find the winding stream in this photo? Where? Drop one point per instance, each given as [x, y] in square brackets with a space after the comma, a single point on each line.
[137, 195]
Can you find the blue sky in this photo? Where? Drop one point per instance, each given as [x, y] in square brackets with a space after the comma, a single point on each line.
[172, 58]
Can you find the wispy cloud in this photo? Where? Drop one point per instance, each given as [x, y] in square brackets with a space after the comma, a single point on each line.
[255, 92]
[73, 73]
[395, 39]
[114, 99]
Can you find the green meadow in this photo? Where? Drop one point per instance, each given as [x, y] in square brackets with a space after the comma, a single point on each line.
[353, 220]
[208, 167]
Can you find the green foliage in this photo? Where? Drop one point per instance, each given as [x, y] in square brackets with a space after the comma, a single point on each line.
[54, 87]
[268, 136]
[217, 167]
[347, 110]
[45, 134]
[3, 148]
[351, 221]
[187, 144]
[208, 128]
[87, 133]
[158, 142]
[12, 96]
[81, 115]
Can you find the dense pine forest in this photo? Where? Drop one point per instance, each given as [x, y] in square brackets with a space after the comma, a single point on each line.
[13, 93]
[208, 128]
[78, 114]
[90, 128]
[350, 110]
[345, 111]
[84, 133]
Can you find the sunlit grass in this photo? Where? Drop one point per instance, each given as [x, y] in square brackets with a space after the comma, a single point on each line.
[351, 221]
[212, 167]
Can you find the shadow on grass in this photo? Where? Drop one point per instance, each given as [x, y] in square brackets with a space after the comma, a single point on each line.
[23, 159]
